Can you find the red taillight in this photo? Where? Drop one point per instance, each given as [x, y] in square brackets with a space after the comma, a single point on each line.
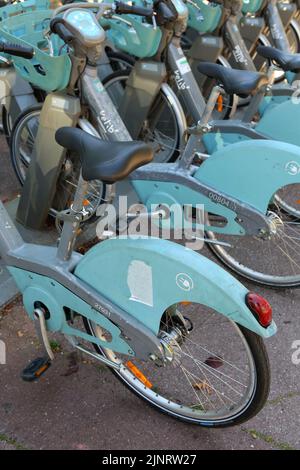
[260, 307]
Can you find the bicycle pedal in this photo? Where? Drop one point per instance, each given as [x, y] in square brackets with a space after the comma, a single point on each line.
[35, 369]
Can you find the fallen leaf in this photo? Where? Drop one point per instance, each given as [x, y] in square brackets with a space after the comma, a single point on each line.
[203, 386]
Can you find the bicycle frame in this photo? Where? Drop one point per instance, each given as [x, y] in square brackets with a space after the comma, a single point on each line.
[274, 22]
[59, 281]
[242, 218]
[235, 30]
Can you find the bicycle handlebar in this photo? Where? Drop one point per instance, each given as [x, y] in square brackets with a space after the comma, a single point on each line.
[26, 52]
[57, 26]
[123, 9]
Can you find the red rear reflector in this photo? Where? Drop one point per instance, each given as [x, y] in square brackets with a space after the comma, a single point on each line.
[260, 308]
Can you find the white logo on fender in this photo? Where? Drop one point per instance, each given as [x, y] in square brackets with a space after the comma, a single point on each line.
[292, 168]
[184, 282]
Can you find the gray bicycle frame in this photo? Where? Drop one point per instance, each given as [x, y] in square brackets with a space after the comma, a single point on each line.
[180, 172]
[59, 263]
[232, 35]
[277, 30]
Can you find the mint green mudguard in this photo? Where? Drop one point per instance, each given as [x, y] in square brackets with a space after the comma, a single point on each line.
[281, 121]
[145, 276]
[252, 171]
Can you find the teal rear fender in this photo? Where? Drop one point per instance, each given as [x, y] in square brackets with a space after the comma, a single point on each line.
[252, 171]
[145, 276]
[281, 121]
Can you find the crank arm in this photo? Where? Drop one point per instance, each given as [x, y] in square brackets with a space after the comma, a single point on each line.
[41, 328]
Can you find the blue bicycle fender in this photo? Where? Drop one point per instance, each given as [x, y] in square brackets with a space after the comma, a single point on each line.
[252, 171]
[281, 121]
[145, 276]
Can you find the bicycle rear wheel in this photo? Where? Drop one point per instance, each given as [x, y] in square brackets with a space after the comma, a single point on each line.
[288, 199]
[220, 375]
[274, 261]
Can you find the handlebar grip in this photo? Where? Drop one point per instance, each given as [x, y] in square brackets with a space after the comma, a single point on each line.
[67, 2]
[57, 26]
[26, 52]
[123, 9]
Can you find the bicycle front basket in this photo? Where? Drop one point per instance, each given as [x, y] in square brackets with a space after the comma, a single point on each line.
[251, 6]
[23, 7]
[132, 34]
[204, 16]
[48, 70]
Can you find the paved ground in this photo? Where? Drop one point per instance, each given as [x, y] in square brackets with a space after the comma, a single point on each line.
[80, 405]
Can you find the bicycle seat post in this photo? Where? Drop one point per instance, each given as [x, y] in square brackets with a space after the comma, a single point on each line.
[71, 221]
[196, 132]
[257, 99]
[210, 105]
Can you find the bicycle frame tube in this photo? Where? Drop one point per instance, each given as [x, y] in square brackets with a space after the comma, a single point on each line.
[109, 123]
[185, 81]
[234, 40]
[276, 27]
